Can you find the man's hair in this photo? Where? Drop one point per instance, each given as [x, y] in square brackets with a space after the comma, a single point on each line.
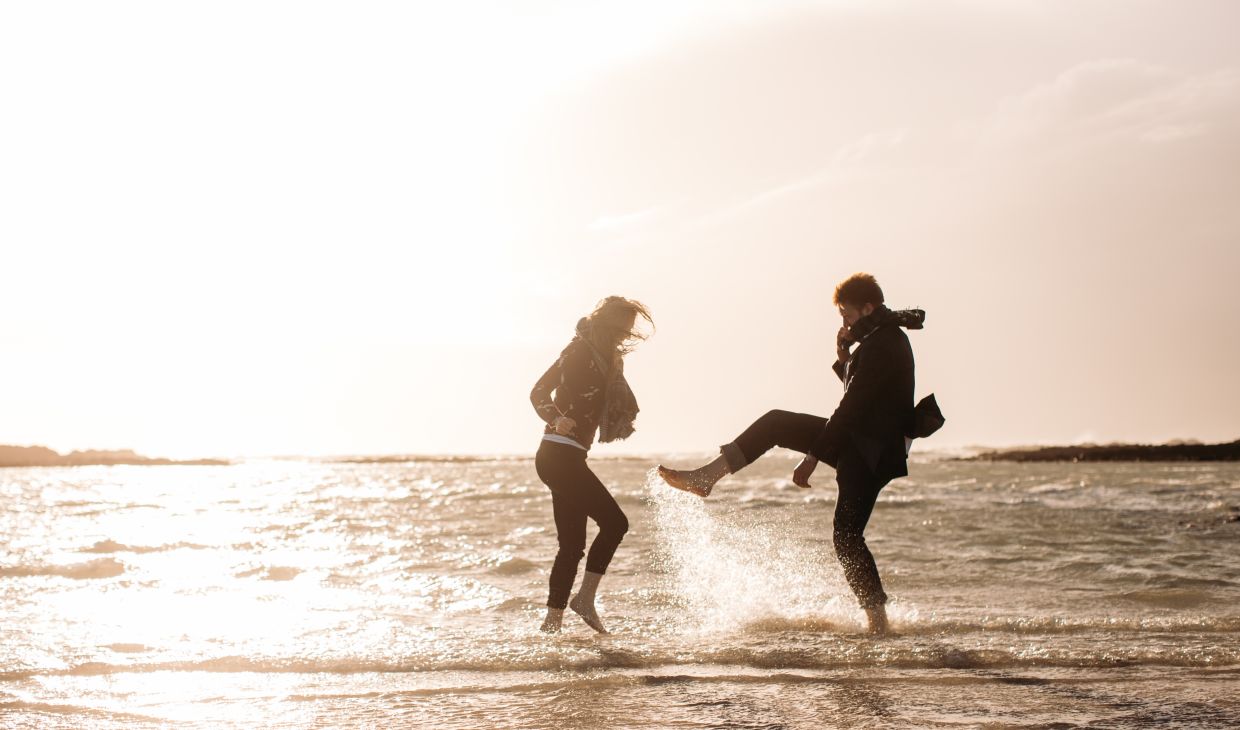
[858, 290]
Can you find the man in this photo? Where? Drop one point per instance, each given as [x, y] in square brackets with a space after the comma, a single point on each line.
[864, 439]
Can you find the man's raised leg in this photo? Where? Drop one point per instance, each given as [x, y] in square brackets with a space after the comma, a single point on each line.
[789, 430]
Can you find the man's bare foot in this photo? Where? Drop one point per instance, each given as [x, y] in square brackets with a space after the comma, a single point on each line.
[877, 616]
[684, 481]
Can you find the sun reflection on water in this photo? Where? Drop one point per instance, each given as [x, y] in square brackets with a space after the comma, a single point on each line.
[182, 593]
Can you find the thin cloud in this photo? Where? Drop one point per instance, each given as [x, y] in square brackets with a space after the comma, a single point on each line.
[852, 160]
[1116, 97]
[609, 223]
[859, 150]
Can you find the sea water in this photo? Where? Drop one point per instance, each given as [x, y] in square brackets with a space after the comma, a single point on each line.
[306, 593]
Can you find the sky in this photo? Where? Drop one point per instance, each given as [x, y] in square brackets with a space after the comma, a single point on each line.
[270, 228]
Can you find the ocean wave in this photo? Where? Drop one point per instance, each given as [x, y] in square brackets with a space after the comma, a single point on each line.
[779, 624]
[90, 570]
[271, 572]
[427, 459]
[751, 502]
[879, 657]
[1169, 597]
[673, 674]
[900, 502]
[514, 566]
[50, 708]
[1052, 625]
[514, 605]
[102, 505]
[111, 546]
[128, 648]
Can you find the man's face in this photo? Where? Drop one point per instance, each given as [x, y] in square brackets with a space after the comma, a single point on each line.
[850, 313]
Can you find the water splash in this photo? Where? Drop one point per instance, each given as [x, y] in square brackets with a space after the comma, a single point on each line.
[733, 574]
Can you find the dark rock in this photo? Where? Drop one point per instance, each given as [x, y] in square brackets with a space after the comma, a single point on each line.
[1179, 451]
[43, 456]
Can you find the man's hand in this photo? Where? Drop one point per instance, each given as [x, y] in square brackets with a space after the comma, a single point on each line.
[564, 425]
[800, 475]
[843, 340]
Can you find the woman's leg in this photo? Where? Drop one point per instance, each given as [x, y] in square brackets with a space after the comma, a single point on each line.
[554, 469]
[570, 533]
[598, 503]
[611, 520]
[576, 493]
[789, 430]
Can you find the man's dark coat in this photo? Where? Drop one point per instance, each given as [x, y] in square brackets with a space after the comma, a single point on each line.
[877, 408]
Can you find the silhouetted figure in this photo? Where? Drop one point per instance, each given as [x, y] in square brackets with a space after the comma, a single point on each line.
[865, 439]
[590, 393]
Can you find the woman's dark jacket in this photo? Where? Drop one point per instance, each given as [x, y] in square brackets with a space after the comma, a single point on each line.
[580, 388]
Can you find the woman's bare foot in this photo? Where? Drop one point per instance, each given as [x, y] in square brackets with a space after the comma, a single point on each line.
[685, 481]
[551, 624]
[587, 613]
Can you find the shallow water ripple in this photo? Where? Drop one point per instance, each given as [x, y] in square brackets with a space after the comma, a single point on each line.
[288, 593]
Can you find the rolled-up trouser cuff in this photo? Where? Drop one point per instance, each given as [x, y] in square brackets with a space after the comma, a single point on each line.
[733, 455]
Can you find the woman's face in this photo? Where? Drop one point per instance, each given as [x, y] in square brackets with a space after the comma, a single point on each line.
[624, 322]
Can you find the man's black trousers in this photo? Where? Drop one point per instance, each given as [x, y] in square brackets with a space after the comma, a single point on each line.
[858, 491]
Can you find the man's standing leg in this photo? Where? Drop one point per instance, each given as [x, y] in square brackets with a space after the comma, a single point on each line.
[858, 491]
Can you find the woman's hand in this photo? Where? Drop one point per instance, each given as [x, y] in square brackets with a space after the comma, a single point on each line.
[564, 425]
[800, 475]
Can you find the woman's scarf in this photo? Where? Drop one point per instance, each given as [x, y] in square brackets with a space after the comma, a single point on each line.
[619, 403]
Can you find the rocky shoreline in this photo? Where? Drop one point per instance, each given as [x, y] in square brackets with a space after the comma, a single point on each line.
[17, 456]
[1118, 452]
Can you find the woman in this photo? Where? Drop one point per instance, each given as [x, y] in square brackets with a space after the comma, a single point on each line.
[590, 394]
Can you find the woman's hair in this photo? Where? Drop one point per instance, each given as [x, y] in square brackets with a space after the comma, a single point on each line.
[858, 290]
[609, 326]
